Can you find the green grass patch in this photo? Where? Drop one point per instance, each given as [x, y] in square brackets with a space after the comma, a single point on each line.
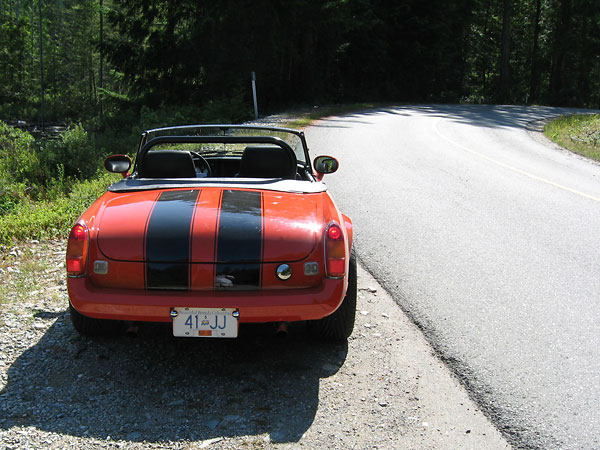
[305, 118]
[52, 218]
[578, 133]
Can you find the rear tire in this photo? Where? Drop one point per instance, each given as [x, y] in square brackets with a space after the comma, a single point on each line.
[89, 326]
[339, 325]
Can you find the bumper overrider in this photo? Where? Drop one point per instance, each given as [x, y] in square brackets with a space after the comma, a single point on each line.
[285, 305]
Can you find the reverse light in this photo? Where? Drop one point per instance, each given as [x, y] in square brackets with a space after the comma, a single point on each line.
[77, 250]
[335, 251]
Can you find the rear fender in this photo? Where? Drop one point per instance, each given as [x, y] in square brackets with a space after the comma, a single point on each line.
[349, 230]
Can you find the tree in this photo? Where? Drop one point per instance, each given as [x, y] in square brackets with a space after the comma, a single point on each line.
[504, 94]
[534, 79]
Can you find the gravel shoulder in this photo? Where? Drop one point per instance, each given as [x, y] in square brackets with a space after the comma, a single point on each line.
[384, 389]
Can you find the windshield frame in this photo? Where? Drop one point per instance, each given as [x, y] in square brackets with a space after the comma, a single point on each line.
[183, 131]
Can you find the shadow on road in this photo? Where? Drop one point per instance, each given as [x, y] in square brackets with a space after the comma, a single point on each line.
[154, 387]
[489, 116]
[493, 116]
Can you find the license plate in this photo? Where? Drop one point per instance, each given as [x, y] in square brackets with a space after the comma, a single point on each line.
[205, 322]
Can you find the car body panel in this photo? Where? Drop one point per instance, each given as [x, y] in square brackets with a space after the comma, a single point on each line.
[157, 244]
[155, 306]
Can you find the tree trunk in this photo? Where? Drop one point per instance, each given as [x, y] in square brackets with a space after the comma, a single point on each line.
[101, 69]
[42, 87]
[558, 53]
[505, 53]
[534, 80]
[485, 67]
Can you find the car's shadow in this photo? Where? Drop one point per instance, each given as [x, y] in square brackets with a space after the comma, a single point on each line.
[153, 387]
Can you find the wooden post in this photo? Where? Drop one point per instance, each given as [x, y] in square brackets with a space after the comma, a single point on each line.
[254, 96]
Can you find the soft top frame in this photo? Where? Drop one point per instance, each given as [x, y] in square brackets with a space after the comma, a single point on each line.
[147, 141]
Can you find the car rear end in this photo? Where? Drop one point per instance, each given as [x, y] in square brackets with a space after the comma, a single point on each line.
[171, 255]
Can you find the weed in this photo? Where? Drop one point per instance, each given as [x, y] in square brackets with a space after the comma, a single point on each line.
[578, 133]
[52, 218]
[26, 271]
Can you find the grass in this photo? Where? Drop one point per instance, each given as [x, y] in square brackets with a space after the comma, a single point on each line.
[17, 285]
[51, 219]
[32, 279]
[578, 133]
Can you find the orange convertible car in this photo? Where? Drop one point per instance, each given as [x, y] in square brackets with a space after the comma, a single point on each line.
[216, 225]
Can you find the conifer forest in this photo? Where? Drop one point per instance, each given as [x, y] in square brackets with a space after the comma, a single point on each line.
[94, 61]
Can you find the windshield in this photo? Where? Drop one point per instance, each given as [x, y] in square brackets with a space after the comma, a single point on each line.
[294, 138]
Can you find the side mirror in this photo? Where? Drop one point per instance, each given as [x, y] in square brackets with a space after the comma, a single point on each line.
[118, 164]
[324, 165]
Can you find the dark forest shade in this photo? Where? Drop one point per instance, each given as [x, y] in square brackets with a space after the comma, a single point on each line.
[202, 53]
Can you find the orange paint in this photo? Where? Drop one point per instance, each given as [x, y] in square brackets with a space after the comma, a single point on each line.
[293, 232]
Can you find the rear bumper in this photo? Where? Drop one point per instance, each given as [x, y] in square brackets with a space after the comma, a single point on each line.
[257, 306]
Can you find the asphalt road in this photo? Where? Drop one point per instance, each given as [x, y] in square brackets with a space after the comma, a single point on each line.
[490, 241]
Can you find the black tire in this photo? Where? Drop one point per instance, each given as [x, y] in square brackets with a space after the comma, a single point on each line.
[339, 325]
[88, 326]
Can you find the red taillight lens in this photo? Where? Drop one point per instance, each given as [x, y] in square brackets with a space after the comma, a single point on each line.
[335, 251]
[77, 249]
[334, 232]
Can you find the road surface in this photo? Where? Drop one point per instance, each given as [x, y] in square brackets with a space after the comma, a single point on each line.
[490, 241]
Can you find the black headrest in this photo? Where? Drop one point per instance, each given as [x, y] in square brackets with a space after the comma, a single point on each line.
[268, 161]
[167, 164]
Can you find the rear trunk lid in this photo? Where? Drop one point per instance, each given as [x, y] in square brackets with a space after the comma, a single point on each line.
[209, 225]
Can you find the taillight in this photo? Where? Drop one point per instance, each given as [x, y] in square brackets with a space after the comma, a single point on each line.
[77, 250]
[335, 251]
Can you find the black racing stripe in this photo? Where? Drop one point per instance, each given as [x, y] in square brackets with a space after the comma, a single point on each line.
[239, 243]
[168, 240]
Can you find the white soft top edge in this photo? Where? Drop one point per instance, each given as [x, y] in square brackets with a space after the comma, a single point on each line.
[263, 184]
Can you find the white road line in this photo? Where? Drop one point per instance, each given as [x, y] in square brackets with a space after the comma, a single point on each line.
[514, 169]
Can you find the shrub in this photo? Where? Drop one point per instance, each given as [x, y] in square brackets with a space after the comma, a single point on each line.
[51, 219]
[18, 159]
[232, 108]
[11, 194]
[72, 151]
[45, 169]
